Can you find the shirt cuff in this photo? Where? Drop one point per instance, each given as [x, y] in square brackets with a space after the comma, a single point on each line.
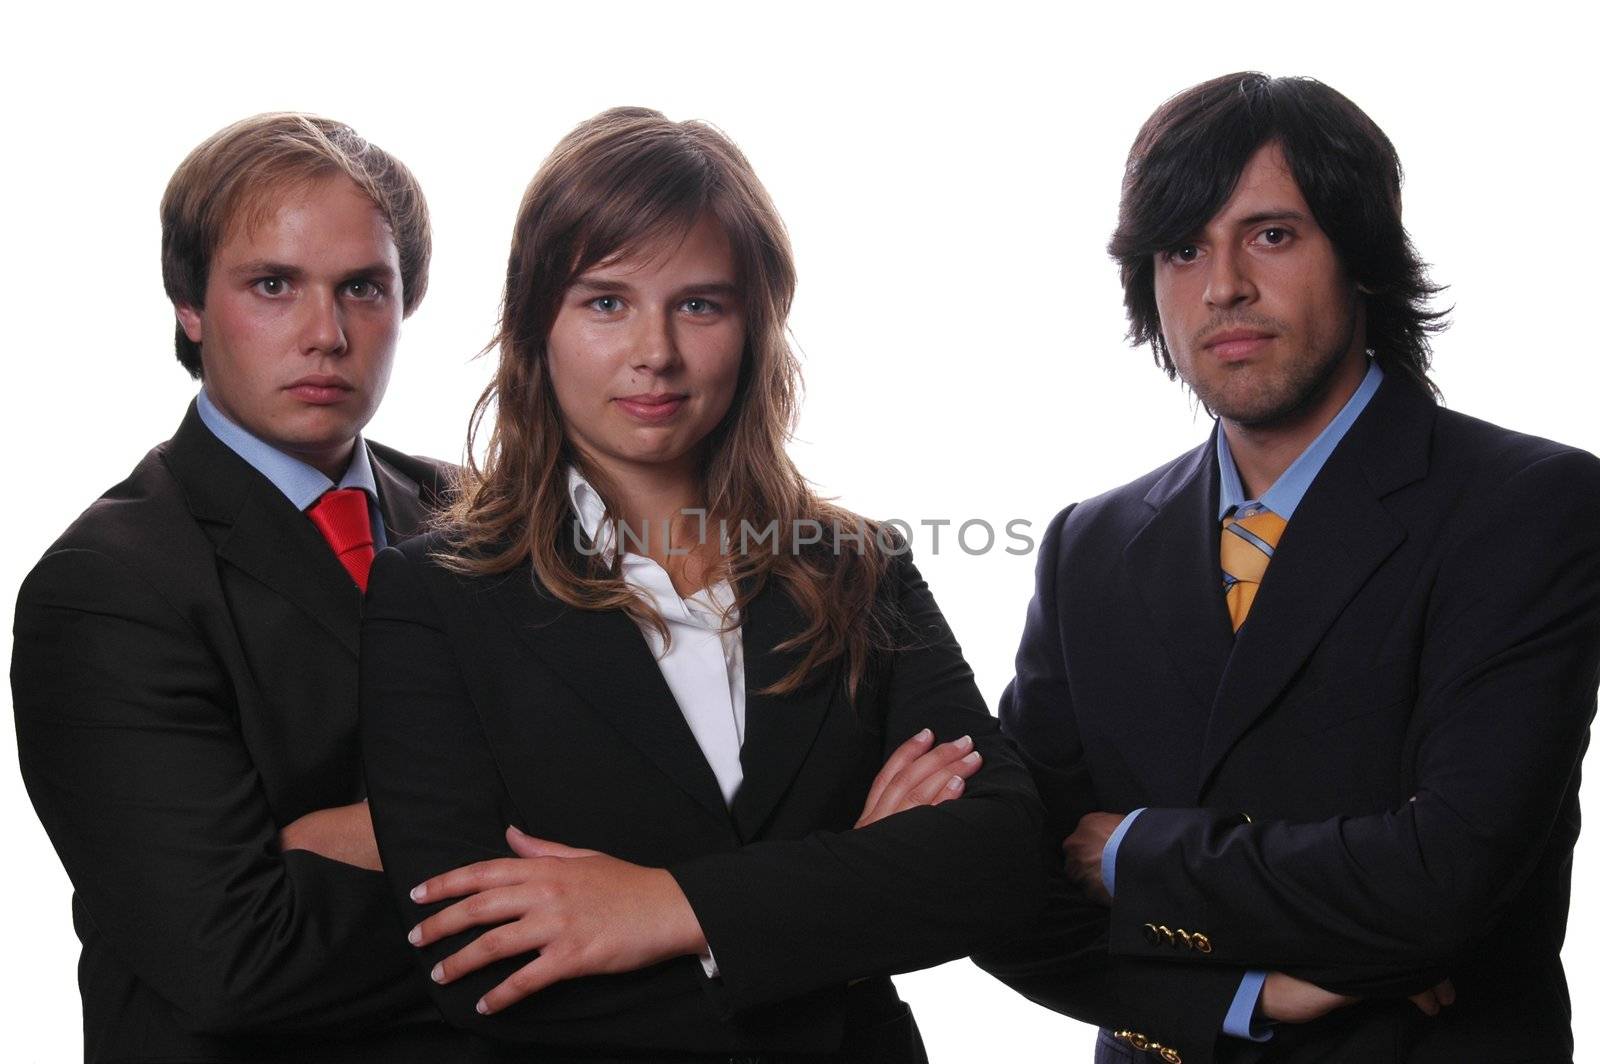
[1241, 1022]
[708, 964]
[1108, 856]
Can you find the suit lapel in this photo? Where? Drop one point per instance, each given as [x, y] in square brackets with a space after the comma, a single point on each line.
[1172, 562]
[779, 729]
[1339, 535]
[603, 657]
[259, 531]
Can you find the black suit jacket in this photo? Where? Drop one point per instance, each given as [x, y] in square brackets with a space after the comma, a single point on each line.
[486, 702]
[1401, 719]
[184, 677]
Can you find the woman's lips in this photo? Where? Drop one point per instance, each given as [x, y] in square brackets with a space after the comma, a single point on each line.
[651, 408]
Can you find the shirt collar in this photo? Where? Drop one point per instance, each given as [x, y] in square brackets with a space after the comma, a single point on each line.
[591, 511]
[1287, 491]
[302, 484]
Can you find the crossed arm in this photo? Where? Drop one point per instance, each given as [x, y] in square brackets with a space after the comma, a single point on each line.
[130, 748]
[1506, 686]
[784, 917]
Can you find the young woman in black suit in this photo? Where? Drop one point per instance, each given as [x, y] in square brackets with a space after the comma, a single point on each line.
[626, 715]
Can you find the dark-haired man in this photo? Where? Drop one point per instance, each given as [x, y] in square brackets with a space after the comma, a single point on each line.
[184, 671]
[1331, 672]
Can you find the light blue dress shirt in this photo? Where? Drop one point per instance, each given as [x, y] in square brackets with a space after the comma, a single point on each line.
[1281, 498]
[302, 484]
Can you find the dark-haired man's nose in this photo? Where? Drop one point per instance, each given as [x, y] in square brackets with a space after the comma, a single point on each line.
[1228, 282]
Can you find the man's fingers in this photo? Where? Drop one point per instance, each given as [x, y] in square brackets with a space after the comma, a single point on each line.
[531, 978]
[1427, 1001]
[524, 845]
[470, 879]
[1436, 999]
[903, 755]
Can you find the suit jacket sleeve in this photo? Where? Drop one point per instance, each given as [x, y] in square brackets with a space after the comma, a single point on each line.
[438, 803]
[129, 747]
[1064, 963]
[1506, 689]
[912, 890]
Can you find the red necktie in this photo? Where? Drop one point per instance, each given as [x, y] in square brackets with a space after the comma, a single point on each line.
[341, 516]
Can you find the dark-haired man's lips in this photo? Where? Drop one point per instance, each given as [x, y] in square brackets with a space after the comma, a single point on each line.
[1237, 344]
[321, 389]
[651, 408]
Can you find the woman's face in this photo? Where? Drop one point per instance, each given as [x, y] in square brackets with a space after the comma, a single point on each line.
[645, 350]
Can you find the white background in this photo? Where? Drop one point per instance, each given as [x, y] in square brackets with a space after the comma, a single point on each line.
[950, 178]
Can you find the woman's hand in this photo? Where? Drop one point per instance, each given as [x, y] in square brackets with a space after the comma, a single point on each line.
[919, 773]
[584, 913]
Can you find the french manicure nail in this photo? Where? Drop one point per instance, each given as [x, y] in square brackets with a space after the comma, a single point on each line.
[924, 735]
[414, 936]
[437, 975]
[419, 892]
[955, 784]
[972, 758]
[964, 743]
[482, 1007]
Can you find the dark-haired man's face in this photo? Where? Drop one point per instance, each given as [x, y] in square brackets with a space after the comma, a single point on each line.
[1261, 319]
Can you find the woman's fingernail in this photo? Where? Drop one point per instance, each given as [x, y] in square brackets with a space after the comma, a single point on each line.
[419, 892]
[437, 975]
[414, 936]
[483, 1007]
[955, 784]
[964, 743]
[923, 736]
[972, 758]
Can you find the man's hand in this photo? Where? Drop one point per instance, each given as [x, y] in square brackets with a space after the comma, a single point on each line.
[919, 773]
[1286, 999]
[584, 912]
[1437, 999]
[1083, 849]
[342, 833]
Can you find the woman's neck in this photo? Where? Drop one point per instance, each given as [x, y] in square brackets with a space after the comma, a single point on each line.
[662, 515]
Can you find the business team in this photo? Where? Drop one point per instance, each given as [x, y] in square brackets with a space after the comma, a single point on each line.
[1305, 707]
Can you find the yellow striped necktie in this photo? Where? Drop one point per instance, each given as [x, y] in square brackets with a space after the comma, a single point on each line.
[1247, 546]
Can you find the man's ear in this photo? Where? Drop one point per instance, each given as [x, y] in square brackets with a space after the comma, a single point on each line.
[189, 321]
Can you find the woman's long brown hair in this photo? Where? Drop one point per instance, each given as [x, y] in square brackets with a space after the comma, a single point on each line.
[615, 183]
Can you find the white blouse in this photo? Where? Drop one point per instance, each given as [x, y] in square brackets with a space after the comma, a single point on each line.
[704, 663]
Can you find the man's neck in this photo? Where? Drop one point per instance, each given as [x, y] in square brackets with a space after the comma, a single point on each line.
[1261, 453]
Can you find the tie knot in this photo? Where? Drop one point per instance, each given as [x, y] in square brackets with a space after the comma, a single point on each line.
[1263, 525]
[342, 518]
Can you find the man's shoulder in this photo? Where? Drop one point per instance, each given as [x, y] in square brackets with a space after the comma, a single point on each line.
[1117, 514]
[144, 515]
[1494, 453]
[436, 479]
